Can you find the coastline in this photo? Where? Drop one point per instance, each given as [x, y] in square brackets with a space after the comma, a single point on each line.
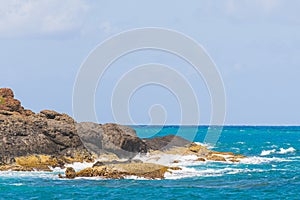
[49, 139]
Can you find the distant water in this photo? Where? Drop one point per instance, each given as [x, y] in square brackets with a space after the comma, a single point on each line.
[271, 171]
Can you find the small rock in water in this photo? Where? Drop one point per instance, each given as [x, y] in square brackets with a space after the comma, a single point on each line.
[70, 173]
[216, 158]
[201, 159]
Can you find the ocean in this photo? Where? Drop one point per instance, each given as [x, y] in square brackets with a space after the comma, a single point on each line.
[270, 171]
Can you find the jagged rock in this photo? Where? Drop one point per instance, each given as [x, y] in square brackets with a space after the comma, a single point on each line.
[23, 133]
[27, 135]
[30, 141]
[8, 103]
[165, 142]
[6, 93]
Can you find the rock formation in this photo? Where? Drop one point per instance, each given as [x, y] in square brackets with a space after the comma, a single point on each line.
[165, 142]
[30, 141]
[23, 133]
[113, 138]
[120, 171]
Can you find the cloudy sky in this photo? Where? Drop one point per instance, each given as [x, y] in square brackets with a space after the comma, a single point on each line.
[254, 43]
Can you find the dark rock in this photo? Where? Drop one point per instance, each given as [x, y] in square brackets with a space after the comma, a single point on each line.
[50, 114]
[166, 142]
[98, 163]
[23, 133]
[111, 138]
[201, 159]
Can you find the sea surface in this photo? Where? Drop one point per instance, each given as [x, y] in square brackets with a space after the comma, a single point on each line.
[270, 171]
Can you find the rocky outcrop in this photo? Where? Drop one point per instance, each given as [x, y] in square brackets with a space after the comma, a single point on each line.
[110, 138]
[23, 133]
[165, 142]
[30, 141]
[120, 171]
[201, 153]
[10, 104]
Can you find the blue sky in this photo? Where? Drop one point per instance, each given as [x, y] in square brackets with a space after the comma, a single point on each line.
[254, 43]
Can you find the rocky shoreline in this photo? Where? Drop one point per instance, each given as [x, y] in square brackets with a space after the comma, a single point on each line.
[42, 141]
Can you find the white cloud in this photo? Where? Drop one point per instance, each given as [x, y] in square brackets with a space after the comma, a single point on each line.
[40, 17]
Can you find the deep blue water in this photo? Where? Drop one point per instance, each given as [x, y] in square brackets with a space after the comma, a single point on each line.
[272, 171]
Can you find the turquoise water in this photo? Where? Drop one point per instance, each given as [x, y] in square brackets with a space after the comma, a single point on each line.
[271, 171]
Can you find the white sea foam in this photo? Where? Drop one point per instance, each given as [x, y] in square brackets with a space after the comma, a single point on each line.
[281, 151]
[267, 152]
[168, 159]
[288, 150]
[260, 160]
[192, 172]
[16, 184]
[79, 166]
[205, 144]
[240, 142]
[235, 149]
[28, 174]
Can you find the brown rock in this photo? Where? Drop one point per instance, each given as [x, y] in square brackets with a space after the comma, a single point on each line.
[198, 149]
[38, 162]
[70, 173]
[201, 159]
[223, 153]
[8, 103]
[216, 158]
[6, 93]
[234, 160]
[119, 171]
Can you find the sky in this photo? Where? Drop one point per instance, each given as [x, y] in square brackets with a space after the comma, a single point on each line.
[255, 45]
